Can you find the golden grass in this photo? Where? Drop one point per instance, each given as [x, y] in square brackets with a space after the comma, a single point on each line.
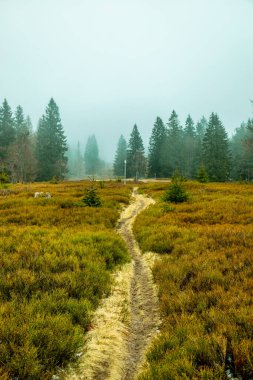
[105, 343]
[56, 259]
[204, 277]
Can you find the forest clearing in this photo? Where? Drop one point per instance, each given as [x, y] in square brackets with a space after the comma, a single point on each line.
[73, 300]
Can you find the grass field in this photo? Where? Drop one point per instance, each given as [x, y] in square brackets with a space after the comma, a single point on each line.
[56, 259]
[204, 274]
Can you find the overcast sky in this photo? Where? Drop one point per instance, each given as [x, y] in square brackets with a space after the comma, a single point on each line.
[112, 63]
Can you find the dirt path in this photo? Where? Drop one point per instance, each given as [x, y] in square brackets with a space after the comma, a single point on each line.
[126, 322]
[143, 301]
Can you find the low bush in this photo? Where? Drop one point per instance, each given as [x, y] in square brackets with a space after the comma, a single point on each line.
[176, 193]
[91, 197]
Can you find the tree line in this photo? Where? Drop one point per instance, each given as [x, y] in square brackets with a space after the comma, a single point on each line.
[194, 150]
[26, 156]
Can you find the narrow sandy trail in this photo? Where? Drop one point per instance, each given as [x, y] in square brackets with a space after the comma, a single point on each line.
[143, 301]
[125, 323]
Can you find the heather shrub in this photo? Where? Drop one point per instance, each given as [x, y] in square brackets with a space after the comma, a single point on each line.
[204, 283]
[56, 261]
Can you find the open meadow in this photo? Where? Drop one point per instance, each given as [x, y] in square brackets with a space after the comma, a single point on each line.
[204, 274]
[56, 260]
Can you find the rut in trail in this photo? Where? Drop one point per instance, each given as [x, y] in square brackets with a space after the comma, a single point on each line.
[125, 323]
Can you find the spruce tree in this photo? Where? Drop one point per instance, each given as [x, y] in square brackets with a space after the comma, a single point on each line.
[173, 152]
[91, 156]
[120, 157]
[7, 130]
[201, 127]
[136, 161]
[21, 154]
[189, 148]
[51, 145]
[155, 159]
[247, 158]
[216, 155]
[241, 159]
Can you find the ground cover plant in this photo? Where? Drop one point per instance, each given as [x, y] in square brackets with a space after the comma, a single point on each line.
[204, 274]
[56, 259]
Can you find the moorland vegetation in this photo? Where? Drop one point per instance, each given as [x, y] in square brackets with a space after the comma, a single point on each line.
[204, 273]
[56, 260]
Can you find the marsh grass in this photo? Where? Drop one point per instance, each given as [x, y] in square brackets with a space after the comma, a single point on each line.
[56, 260]
[204, 277]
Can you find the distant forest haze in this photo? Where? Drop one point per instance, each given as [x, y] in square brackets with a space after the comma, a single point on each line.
[196, 150]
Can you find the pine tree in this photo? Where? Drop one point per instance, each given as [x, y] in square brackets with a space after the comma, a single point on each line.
[136, 161]
[7, 130]
[21, 154]
[216, 155]
[201, 127]
[51, 145]
[172, 151]
[91, 156]
[189, 148]
[241, 160]
[120, 157]
[155, 159]
[247, 158]
[189, 129]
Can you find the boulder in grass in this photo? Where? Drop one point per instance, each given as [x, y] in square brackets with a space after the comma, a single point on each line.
[42, 194]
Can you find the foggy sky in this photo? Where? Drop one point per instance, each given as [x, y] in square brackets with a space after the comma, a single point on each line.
[112, 63]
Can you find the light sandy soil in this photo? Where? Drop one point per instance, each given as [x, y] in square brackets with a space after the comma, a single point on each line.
[125, 323]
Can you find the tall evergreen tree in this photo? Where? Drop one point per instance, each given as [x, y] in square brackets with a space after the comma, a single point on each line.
[7, 130]
[51, 144]
[120, 157]
[21, 153]
[136, 161]
[173, 149]
[91, 156]
[189, 148]
[240, 160]
[216, 155]
[155, 159]
[247, 159]
[201, 127]
[189, 129]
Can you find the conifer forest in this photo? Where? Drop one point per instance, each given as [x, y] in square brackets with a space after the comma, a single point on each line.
[193, 149]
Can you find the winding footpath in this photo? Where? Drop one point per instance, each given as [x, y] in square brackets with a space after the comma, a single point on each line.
[143, 301]
[125, 323]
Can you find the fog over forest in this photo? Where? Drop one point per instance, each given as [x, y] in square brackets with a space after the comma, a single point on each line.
[111, 64]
